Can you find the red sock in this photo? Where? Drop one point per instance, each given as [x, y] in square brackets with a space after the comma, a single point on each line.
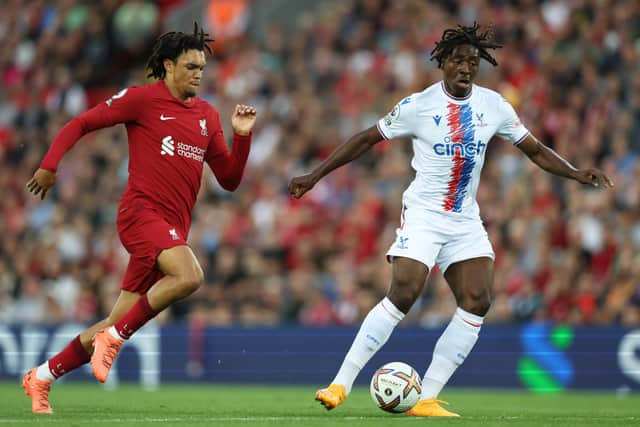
[135, 318]
[71, 357]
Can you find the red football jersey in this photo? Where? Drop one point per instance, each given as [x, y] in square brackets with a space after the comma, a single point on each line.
[168, 142]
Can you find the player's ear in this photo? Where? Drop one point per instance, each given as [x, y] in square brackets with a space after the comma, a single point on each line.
[168, 65]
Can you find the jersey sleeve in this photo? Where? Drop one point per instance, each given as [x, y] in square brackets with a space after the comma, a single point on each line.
[217, 143]
[122, 107]
[511, 127]
[125, 106]
[227, 166]
[401, 120]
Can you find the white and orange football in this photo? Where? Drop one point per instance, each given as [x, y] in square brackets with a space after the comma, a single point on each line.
[396, 387]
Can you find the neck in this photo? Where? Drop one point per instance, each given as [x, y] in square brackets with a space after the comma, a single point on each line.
[457, 93]
[176, 93]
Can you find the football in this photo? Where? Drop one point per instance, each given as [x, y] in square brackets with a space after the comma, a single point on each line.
[396, 387]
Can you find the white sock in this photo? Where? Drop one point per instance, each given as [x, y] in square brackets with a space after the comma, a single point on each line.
[452, 348]
[43, 372]
[375, 330]
[114, 333]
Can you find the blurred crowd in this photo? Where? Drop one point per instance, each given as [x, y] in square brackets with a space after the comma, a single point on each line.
[565, 252]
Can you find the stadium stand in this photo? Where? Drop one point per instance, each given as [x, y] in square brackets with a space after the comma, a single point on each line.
[564, 252]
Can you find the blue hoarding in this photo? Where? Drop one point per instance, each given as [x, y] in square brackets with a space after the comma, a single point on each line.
[539, 356]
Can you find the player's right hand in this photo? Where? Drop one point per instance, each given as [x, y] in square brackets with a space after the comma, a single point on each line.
[41, 182]
[300, 185]
[594, 177]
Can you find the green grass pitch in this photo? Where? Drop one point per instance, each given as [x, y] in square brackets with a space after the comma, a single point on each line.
[83, 404]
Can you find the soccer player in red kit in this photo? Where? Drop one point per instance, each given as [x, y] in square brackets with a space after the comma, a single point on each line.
[171, 134]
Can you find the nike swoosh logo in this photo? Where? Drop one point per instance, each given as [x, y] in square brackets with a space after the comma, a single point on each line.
[163, 117]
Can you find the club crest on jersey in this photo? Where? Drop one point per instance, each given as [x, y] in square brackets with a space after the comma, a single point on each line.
[173, 234]
[203, 127]
[480, 118]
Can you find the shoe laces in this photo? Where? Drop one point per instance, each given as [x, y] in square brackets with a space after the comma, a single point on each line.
[43, 388]
[111, 351]
[327, 392]
[337, 391]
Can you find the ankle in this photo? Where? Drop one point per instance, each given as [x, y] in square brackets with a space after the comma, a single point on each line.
[43, 373]
[114, 333]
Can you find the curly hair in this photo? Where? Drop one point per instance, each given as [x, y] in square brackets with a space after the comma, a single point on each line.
[454, 37]
[170, 45]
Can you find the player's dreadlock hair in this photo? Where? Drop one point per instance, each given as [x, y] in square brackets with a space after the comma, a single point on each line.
[171, 45]
[453, 37]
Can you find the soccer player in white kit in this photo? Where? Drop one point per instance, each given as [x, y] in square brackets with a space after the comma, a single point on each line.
[450, 123]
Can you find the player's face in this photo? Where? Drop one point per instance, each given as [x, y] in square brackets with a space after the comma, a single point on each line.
[185, 75]
[460, 69]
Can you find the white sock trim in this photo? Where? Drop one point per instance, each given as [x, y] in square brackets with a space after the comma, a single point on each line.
[392, 309]
[43, 372]
[114, 333]
[469, 318]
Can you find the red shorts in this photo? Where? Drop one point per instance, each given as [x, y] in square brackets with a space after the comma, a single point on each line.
[145, 233]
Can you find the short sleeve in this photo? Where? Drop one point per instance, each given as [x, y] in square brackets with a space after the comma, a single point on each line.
[511, 127]
[401, 120]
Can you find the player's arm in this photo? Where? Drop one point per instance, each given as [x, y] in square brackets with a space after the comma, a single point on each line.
[514, 131]
[552, 162]
[350, 150]
[400, 122]
[120, 108]
[228, 167]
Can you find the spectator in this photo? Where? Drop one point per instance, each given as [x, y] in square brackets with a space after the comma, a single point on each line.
[563, 252]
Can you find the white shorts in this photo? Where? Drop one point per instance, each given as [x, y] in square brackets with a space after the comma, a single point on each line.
[431, 237]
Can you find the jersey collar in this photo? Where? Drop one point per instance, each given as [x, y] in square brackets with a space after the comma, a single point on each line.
[455, 98]
[163, 87]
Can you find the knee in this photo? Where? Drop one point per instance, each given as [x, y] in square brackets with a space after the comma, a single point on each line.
[476, 301]
[404, 292]
[190, 281]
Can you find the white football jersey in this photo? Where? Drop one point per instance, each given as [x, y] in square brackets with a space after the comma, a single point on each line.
[450, 137]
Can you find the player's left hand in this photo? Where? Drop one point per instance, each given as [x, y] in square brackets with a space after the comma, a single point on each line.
[301, 184]
[41, 182]
[243, 119]
[594, 177]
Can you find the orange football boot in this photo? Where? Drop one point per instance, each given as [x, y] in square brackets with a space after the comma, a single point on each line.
[332, 396]
[105, 350]
[38, 391]
[430, 408]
